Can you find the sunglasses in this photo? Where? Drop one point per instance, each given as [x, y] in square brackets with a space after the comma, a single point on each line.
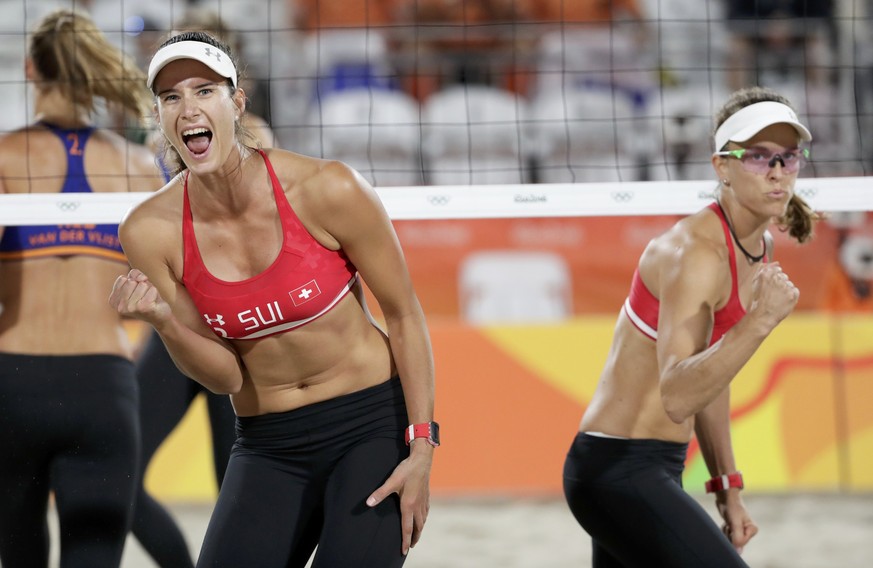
[761, 160]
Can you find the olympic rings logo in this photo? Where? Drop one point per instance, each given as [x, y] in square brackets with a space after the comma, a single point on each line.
[438, 200]
[806, 192]
[68, 206]
[622, 196]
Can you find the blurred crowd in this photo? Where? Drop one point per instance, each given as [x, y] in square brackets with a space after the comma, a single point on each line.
[504, 91]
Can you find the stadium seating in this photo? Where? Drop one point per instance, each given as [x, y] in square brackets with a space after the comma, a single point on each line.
[376, 131]
[582, 135]
[472, 134]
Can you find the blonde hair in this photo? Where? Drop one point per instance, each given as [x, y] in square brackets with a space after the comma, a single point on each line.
[71, 54]
[799, 219]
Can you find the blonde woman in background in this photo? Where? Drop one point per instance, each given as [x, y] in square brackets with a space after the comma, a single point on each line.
[68, 394]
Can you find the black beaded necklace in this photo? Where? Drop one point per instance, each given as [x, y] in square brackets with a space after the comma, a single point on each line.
[750, 257]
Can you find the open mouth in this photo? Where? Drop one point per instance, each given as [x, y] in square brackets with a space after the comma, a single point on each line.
[197, 140]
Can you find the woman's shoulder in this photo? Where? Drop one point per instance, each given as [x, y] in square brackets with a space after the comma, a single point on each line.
[690, 258]
[29, 149]
[158, 211]
[311, 176]
[121, 144]
[137, 159]
[294, 164]
[11, 147]
[15, 141]
[151, 232]
[696, 240]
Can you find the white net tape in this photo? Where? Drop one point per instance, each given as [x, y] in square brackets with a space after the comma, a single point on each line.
[472, 202]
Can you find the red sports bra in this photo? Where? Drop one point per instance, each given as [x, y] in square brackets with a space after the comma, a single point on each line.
[304, 282]
[642, 307]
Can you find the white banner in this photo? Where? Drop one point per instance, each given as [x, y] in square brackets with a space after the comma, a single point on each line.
[472, 202]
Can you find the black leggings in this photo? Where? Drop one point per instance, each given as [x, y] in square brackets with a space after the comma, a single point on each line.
[165, 396]
[627, 494]
[68, 424]
[300, 478]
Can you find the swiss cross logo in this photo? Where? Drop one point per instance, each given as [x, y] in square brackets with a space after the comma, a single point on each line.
[305, 293]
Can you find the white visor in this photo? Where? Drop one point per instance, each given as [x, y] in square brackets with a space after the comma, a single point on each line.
[208, 55]
[750, 120]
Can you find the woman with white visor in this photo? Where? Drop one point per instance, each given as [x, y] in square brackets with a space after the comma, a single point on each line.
[703, 299]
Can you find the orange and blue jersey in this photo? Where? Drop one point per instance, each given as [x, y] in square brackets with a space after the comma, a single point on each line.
[39, 241]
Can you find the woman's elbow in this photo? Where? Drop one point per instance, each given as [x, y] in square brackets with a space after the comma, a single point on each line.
[222, 390]
[220, 385]
[675, 407]
[226, 387]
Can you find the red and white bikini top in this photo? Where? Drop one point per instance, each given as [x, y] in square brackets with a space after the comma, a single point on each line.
[304, 282]
[642, 307]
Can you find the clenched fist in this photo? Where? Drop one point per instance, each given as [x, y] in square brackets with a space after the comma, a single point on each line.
[134, 296]
[774, 295]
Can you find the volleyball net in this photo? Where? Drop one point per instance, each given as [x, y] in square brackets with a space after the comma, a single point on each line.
[526, 163]
[521, 114]
[513, 96]
[848, 194]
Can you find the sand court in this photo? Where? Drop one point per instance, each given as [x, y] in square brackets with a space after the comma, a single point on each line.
[824, 530]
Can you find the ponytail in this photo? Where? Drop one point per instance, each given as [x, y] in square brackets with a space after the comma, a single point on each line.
[799, 219]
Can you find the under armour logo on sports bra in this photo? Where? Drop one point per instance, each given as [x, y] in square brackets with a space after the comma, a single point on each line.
[219, 319]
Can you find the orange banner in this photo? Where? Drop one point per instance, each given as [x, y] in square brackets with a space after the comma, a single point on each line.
[521, 313]
[509, 400]
[596, 255]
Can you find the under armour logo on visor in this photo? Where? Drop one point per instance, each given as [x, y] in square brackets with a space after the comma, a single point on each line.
[210, 53]
[305, 293]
